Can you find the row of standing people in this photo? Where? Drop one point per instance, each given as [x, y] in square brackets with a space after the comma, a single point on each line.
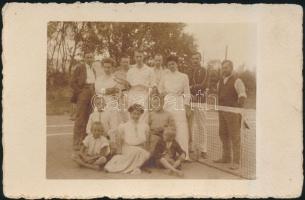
[138, 80]
[135, 81]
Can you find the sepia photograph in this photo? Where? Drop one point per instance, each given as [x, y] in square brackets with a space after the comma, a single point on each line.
[149, 100]
[152, 100]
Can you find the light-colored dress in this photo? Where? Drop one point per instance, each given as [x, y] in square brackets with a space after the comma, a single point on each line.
[97, 116]
[95, 145]
[112, 109]
[121, 74]
[158, 75]
[140, 79]
[134, 136]
[176, 87]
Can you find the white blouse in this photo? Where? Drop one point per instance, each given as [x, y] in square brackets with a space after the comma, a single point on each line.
[133, 133]
[141, 76]
[176, 84]
[90, 74]
[104, 82]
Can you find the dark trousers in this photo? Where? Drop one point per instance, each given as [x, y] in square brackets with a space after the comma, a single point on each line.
[153, 141]
[229, 133]
[83, 110]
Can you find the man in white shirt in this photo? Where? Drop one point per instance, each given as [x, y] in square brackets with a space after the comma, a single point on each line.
[158, 69]
[140, 78]
[82, 83]
[231, 93]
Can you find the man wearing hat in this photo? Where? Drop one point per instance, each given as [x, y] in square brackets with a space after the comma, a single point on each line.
[82, 83]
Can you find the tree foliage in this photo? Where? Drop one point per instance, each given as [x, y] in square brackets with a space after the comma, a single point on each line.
[67, 40]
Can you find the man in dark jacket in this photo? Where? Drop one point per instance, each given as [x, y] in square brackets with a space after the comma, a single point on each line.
[198, 78]
[82, 84]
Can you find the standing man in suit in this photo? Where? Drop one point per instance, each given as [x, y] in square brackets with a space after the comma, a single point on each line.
[82, 83]
[232, 93]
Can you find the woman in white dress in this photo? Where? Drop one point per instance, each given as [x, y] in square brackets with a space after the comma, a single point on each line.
[133, 140]
[107, 86]
[175, 87]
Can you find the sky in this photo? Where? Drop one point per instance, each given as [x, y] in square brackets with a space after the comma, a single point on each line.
[212, 40]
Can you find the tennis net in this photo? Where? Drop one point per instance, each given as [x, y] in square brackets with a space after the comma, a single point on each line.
[205, 138]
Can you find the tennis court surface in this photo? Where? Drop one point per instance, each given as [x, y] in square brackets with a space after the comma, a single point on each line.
[60, 166]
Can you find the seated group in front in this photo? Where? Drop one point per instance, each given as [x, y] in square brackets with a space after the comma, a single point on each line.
[136, 144]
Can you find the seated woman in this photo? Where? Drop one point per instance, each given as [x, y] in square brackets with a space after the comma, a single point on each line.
[132, 138]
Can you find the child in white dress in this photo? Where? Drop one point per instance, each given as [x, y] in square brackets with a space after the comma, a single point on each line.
[94, 149]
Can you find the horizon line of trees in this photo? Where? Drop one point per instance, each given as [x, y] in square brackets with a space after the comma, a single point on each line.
[67, 41]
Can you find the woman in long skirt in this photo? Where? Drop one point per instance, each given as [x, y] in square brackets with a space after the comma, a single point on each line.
[175, 87]
[133, 139]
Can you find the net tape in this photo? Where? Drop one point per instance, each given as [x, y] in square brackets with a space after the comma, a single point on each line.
[205, 134]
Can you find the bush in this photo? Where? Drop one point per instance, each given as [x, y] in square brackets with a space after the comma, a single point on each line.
[249, 80]
[58, 100]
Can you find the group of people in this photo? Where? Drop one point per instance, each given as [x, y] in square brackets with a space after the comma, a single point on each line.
[136, 116]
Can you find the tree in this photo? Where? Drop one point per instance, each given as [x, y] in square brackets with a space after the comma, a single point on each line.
[68, 39]
[123, 38]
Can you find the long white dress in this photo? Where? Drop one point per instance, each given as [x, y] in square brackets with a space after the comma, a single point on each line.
[176, 87]
[133, 156]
